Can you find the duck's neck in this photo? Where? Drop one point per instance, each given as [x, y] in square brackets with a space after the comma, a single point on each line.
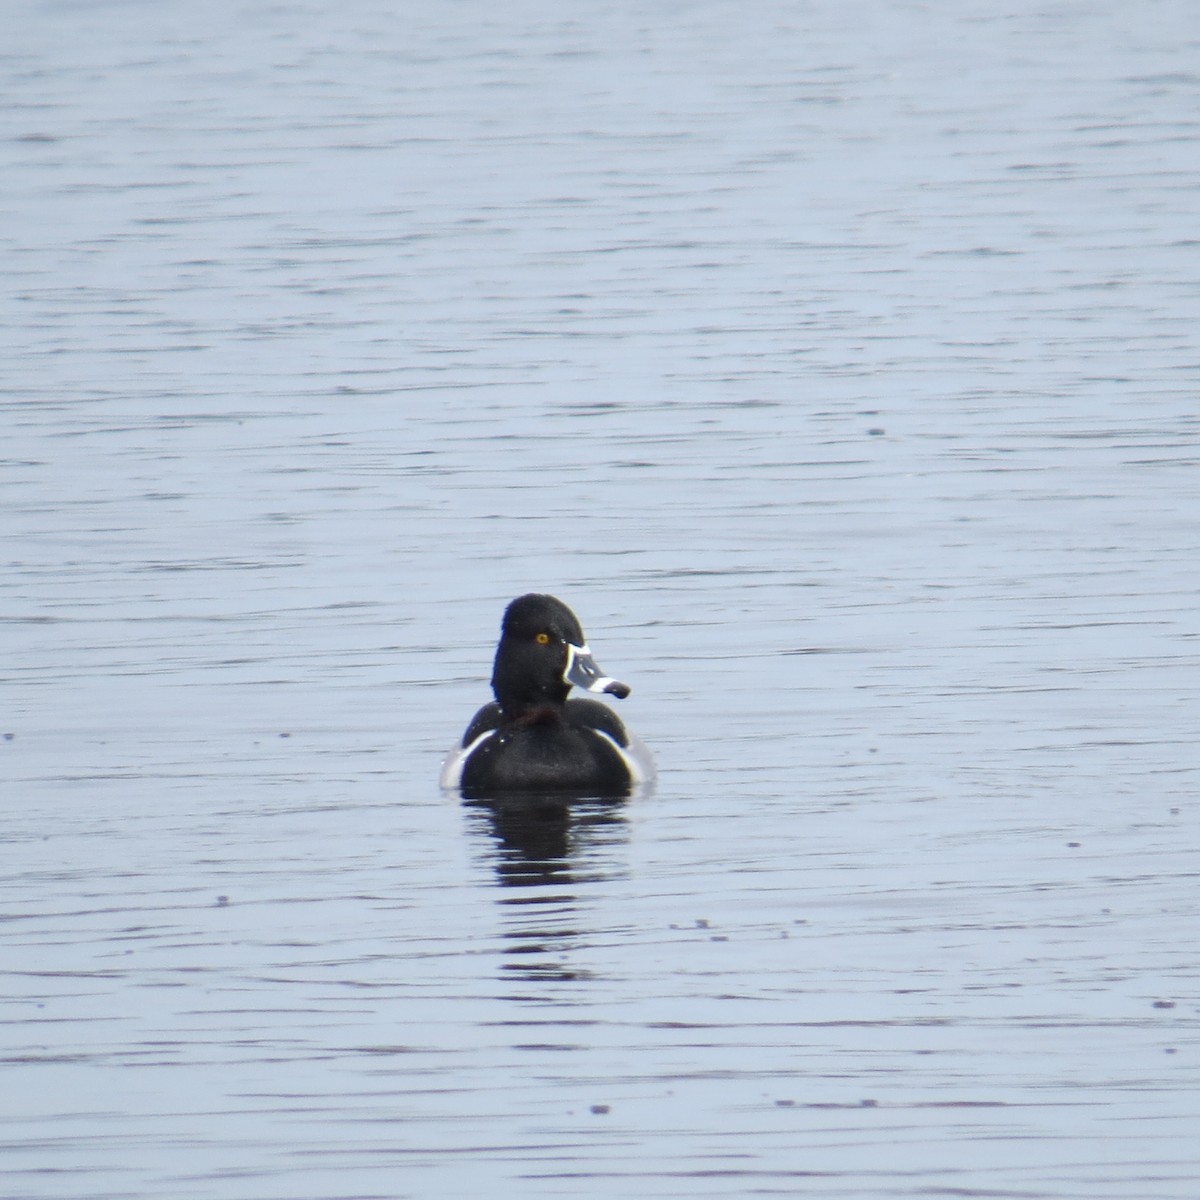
[519, 690]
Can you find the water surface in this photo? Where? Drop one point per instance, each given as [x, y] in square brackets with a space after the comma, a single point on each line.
[837, 365]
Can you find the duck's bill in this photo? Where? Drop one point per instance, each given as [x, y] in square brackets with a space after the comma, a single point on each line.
[583, 671]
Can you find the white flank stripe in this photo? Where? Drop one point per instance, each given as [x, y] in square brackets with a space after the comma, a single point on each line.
[635, 756]
[452, 768]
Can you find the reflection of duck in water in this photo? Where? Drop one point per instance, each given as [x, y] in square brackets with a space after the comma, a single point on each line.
[552, 839]
[545, 849]
[532, 738]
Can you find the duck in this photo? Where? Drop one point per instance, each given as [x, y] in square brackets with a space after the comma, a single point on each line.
[532, 738]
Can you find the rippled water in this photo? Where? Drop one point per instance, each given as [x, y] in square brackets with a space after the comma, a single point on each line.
[838, 364]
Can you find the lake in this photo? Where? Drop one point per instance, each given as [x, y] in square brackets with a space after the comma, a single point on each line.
[837, 364]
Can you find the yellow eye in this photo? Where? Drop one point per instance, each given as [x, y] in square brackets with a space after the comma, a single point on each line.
[542, 639]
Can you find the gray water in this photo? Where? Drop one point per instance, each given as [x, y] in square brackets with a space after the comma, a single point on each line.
[837, 363]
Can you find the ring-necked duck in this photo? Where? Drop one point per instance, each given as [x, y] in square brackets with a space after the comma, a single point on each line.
[532, 738]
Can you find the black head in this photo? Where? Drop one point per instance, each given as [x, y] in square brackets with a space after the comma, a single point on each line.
[542, 654]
